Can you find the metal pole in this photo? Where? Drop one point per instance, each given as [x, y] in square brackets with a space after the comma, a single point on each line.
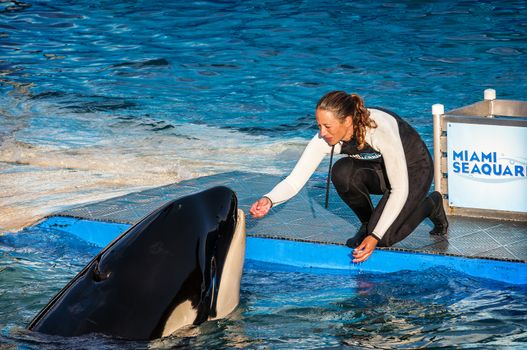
[490, 95]
[437, 111]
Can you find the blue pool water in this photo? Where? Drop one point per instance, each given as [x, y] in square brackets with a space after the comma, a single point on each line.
[282, 307]
[103, 98]
[100, 98]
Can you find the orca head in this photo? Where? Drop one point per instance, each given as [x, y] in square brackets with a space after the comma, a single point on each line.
[222, 254]
[180, 265]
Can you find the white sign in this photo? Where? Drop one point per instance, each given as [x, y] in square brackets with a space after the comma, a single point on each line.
[487, 166]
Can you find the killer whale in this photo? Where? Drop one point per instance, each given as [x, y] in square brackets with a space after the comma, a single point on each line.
[180, 265]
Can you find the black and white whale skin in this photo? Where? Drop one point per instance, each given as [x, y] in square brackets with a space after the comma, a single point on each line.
[180, 265]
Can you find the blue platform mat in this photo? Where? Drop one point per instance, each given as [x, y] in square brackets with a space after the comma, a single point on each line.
[304, 234]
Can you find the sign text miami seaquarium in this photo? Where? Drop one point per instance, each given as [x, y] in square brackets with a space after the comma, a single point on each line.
[487, 166]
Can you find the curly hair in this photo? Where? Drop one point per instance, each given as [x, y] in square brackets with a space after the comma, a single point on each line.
[342, 105]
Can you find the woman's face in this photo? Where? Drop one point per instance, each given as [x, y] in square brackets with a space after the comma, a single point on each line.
[332, 129]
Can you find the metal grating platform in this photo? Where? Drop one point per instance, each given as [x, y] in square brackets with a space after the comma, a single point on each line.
[304, 218]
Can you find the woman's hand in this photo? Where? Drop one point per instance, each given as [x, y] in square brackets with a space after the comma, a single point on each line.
[365, 249]
[261, 207]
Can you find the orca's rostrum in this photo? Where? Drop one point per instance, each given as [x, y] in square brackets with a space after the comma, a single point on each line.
[180, 265]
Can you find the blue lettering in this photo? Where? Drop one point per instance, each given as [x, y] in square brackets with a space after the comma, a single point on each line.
[507, 171]
[486, 169]
[497, 172]
[475, 170]
[464, 167]
[518, 170]
[474, 157]
[486, 157]
[457, 169]
[458, 155]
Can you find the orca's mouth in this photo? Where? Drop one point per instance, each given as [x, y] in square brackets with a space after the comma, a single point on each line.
[213, 289]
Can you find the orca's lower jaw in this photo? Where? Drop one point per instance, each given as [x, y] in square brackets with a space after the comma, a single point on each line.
[223, 293]
[228, 295]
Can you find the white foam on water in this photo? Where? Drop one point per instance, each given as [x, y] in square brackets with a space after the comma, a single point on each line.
[46, 167]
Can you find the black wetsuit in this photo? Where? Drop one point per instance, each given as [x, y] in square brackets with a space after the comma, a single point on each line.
[355, 178]
[396, 152]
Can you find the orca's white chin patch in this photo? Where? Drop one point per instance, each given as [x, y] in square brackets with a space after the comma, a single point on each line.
[183, 315]
[229, 292]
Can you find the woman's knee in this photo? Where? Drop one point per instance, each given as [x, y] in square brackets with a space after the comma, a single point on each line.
[387, 241]
[394, 236]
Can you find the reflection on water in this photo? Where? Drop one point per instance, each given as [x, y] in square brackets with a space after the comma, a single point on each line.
[281, 308]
